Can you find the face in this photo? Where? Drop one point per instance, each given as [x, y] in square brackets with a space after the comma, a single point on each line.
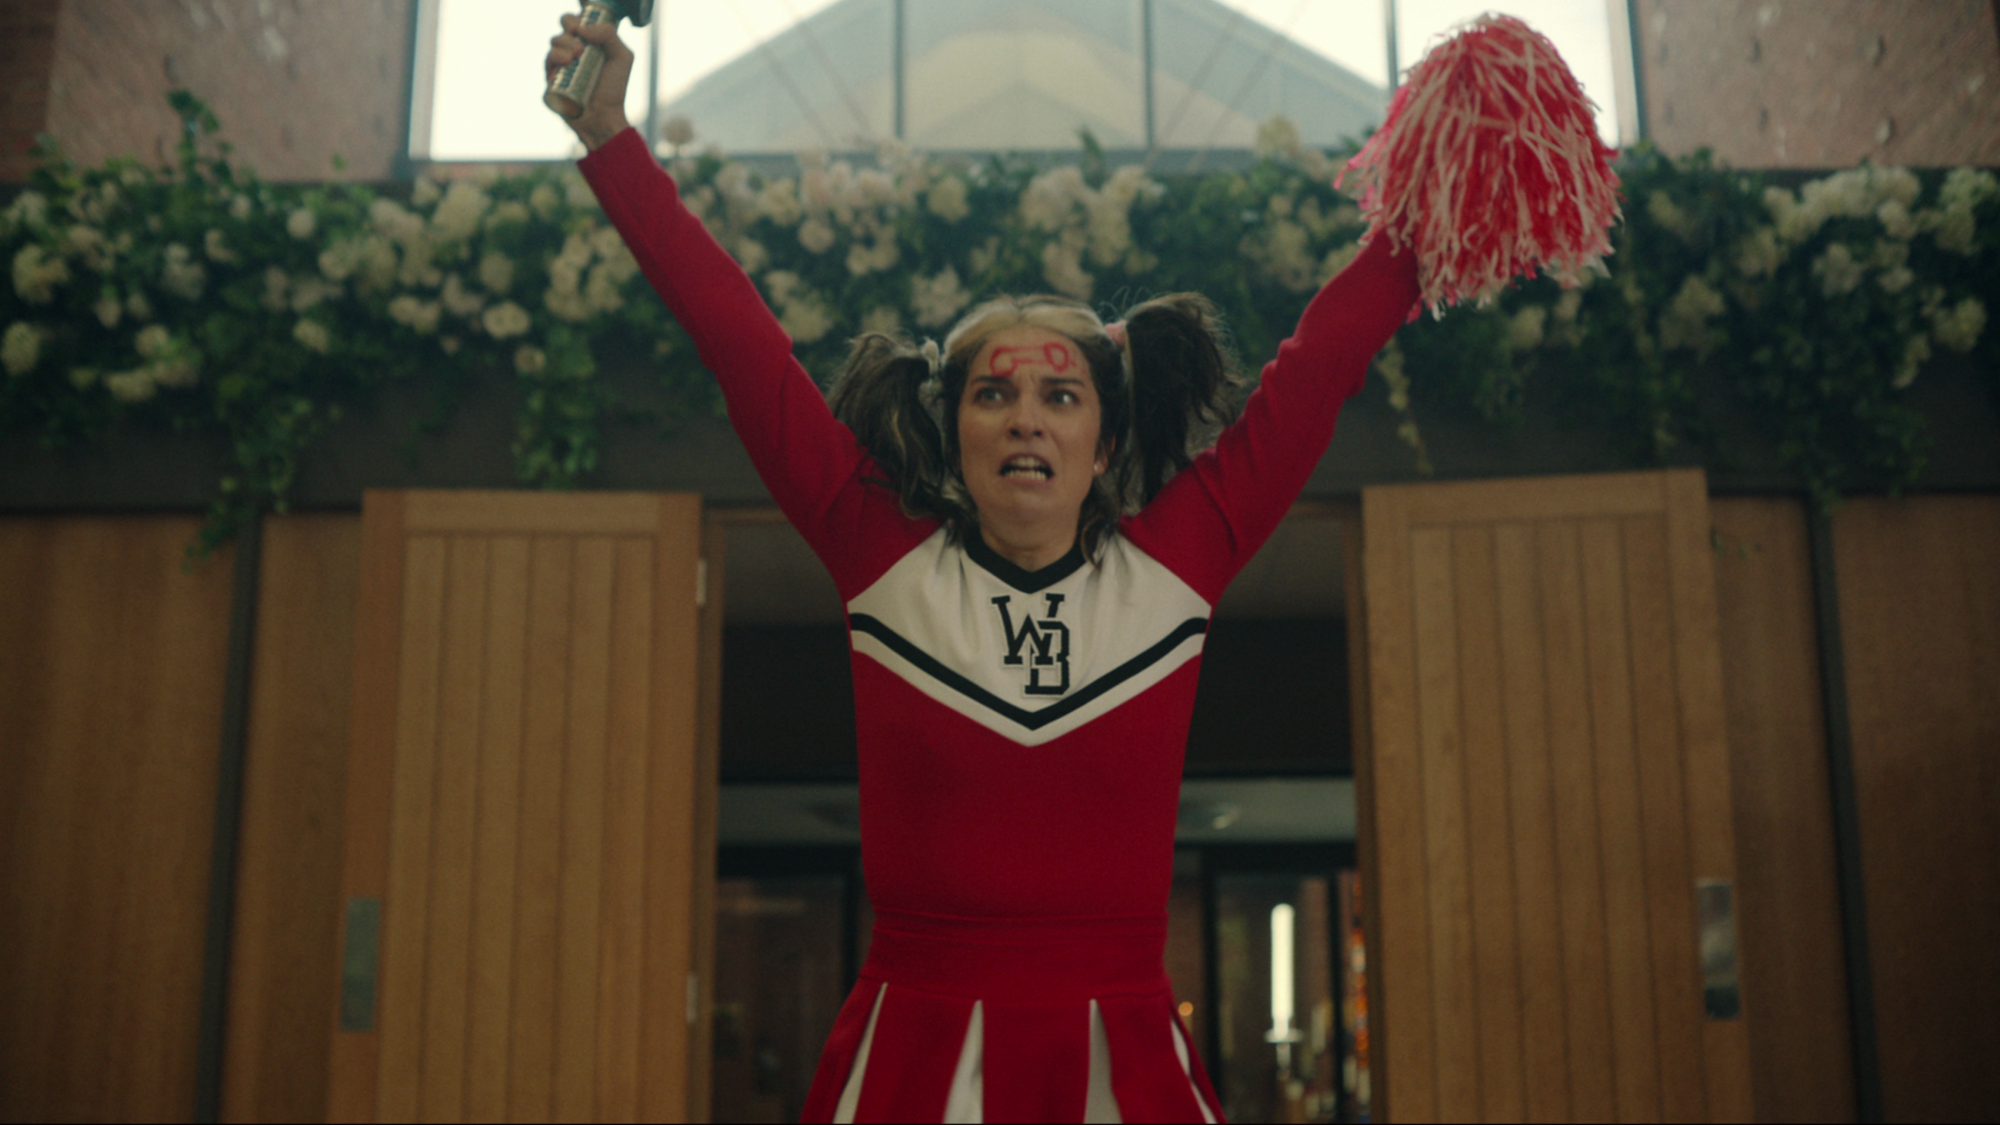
[1028, 427]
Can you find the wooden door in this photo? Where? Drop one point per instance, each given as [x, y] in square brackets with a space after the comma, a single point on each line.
[1546, 787]
[524, 813]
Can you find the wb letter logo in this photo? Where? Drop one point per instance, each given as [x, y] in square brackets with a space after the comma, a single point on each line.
[1040, 646]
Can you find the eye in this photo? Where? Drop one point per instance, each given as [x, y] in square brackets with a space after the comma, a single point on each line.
[1065, 396]
[988, 393]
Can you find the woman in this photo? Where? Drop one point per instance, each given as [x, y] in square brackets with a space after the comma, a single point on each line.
[1025, 644]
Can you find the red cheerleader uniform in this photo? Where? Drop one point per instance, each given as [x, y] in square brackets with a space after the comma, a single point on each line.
[1021, 733]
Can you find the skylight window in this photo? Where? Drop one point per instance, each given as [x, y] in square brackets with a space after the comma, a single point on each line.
[781, 76]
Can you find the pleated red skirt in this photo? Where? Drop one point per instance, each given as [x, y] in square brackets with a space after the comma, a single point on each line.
[1035, 979]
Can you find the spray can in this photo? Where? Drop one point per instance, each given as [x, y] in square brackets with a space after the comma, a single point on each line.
[571, 88]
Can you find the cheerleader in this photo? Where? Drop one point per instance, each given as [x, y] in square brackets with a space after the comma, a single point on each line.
[1029, 541]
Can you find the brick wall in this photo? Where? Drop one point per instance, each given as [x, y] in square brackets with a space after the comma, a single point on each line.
[1823, 83]
[27, 48]
[293, 81]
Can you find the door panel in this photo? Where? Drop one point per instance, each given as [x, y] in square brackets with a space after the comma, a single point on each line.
[1548, 782]
[523, 788]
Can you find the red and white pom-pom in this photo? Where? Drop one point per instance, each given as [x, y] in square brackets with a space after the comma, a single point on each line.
[1489, 164]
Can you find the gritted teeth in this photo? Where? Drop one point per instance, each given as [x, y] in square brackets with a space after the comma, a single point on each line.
[1026, 465]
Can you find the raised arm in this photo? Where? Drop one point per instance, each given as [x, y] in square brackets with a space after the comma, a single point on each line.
[811, 463]
[1209, 520]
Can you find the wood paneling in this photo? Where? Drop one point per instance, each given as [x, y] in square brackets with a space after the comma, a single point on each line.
[523, 798]
[1794, 985]
[1549, 779]
[286, 939]
[111, 691]
[1919, 583]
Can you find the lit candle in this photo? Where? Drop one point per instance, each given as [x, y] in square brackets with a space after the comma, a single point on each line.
[1281, 973]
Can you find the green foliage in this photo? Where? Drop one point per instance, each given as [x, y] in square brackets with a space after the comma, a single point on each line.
[257, 316]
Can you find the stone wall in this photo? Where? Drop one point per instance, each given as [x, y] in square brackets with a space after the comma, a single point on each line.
[295, 82]
[1823, 83]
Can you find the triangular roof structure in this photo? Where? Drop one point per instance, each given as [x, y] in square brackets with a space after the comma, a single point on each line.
[988, 75]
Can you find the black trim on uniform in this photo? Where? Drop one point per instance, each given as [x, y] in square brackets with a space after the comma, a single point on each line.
[1026, 581]
[1033, 720]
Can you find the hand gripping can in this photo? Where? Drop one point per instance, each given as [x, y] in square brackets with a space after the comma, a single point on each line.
[570, 90]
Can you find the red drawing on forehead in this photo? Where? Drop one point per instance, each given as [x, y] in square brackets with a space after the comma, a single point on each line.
[1055, 355]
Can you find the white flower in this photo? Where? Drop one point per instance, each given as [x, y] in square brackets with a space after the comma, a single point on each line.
[882, 319]
[131, 386]
[420, 315]
[1958, 327]
[459, 215]
[1062, 265]
[806, 320]
[530, 360]
[313, 335]
[601, 293]
[1050, 198]
[1671, 218]
[874, 188]
[1895, 219]
[576, 191]
[22, 348]
[309, 291]
[29, 209]
[458, 300]
[394, 221]
[1283, 252]
[88, 245]
[1277, 137]
[496, 272]
[425, 192]
[506, 320]
[779, 202]
[36, 275]
[1915, 354]
[82, 377]
[379, 264]
[1759, 254]
[677, 130]
[816, 235]
[879, 253]
[511, 212]
[137, 306]
[181, 275]
[301, 223]
[935, 300]
[780, 286]
[816, 189]
[338, 262]
[1895, 280]
[1684, 324]
[277, 287]
[109, 310]
[179, 371]
[239, 207]
[152, 341]
[1967, 188]
[949, 199]
[1952, 228]
[751, 255]
[1524, 331]
[1837, 270]
[544, 200]
[1568, 305]
[216, 247]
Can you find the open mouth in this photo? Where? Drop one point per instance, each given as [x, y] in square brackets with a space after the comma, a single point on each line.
[1026, 467]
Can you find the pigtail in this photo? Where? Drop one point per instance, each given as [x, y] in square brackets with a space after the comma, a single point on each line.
[883, 394]
[1184, 385]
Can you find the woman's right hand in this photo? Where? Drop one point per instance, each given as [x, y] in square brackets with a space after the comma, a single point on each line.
[604, 118]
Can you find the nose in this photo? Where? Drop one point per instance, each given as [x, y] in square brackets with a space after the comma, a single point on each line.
[1027, 419]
